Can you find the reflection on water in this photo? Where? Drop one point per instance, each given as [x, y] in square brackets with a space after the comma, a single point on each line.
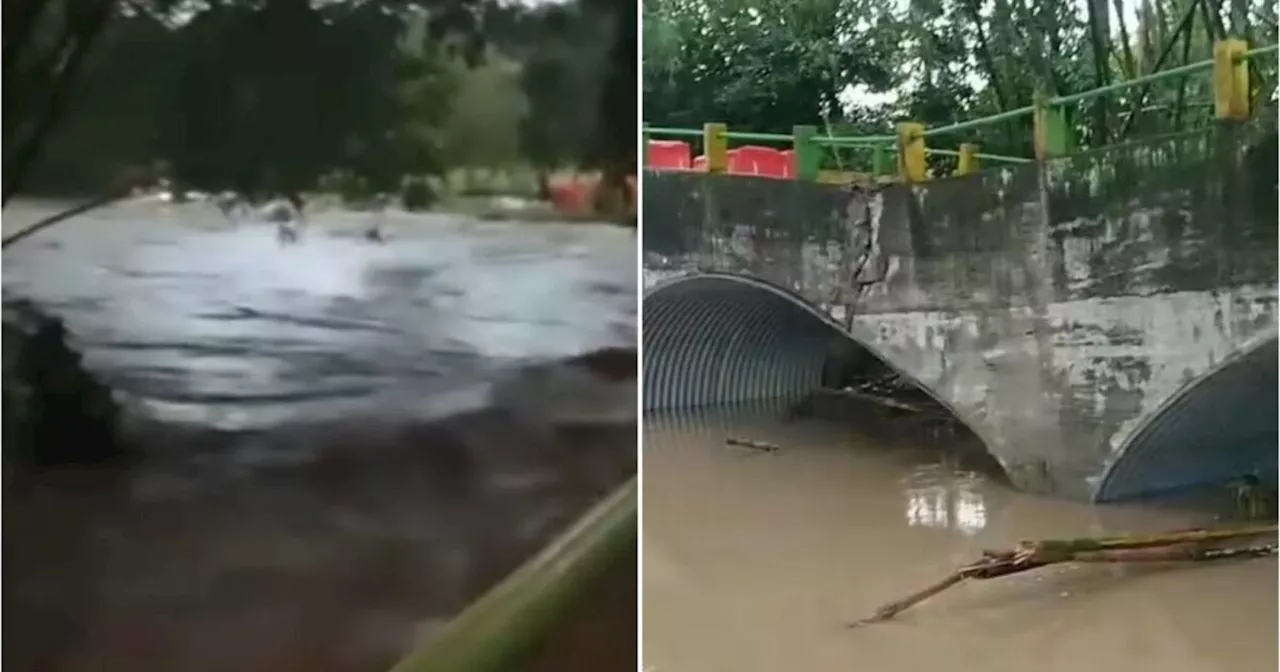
[198, 315]
[756, 562]
[938, 498]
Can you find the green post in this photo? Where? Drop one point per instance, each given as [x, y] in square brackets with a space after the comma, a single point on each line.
[808, 153]
[879, 161]
[644, 147]
[1052, 133]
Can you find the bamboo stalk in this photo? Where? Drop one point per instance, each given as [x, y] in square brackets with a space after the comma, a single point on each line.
[1144, 541]
[504, 628]
[1184, 553]
[1181, 546]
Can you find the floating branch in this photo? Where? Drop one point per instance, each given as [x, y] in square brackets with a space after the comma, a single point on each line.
[1181, 546]
[753, 445]
[882, 400]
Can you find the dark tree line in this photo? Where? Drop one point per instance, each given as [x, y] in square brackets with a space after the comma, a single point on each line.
[854, 67]
[272, 96]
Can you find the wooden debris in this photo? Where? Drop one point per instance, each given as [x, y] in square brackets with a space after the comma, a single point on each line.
[881, 400]
[1182, 546]
[753, 445]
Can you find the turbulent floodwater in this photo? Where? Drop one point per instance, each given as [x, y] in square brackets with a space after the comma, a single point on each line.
[757, 561]
[341, 443]
[176, 304]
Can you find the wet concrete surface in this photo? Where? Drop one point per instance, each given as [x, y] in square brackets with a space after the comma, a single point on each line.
[1064, 311]
[340, 443]
[757, 561]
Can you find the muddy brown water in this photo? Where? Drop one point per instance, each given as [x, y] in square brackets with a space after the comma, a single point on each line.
[755, 562]
[340, 444]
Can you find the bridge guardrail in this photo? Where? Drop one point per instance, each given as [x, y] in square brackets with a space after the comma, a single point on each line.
[907, 149]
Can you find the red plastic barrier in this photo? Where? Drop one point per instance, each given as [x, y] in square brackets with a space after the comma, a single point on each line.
[669, 155]
[749, 160]
[572, 198]
[789, 163]
[576, 196]
[762, 161]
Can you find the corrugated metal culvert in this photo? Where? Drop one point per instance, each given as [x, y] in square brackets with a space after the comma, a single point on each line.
[1221, 427]
[718, 339]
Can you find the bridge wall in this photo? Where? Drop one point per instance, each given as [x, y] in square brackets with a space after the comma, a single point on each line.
[1058, 308]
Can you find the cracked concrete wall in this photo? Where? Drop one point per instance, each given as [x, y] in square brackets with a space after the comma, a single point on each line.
[1057, 307]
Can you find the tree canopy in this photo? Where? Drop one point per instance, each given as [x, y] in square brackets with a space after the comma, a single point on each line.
[855, 66]
[272, 96]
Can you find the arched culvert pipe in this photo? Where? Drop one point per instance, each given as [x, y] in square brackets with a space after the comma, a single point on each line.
[711, 341]
[716, 340]
[1218, 427]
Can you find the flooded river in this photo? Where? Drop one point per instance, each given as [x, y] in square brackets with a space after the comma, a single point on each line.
[189, 312]
[339, 444]
[756, 562]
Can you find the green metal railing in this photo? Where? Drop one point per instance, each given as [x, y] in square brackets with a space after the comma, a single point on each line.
[1052, 136]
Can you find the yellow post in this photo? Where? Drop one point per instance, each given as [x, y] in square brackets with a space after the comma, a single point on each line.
[911, 164]
[968, 161]
[1230, 80]
[715, 146]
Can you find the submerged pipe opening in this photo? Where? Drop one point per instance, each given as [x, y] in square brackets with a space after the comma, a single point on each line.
[722, 340]
[1217, 433]
[861, 390]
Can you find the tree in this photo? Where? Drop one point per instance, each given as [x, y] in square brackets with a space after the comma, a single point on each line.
[268, 96]
[766, 65]
[482, 129]
[564, 52]
[752, 63]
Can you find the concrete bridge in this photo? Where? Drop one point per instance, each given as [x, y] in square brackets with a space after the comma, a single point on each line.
[1106, 323]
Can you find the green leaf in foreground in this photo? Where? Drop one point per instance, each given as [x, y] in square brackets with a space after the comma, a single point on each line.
[500, 631]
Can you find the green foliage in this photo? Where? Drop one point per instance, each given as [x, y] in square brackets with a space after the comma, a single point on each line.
[564, 49]
[125, 93]
[269, 97]
[483, 126]
[766, 65]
